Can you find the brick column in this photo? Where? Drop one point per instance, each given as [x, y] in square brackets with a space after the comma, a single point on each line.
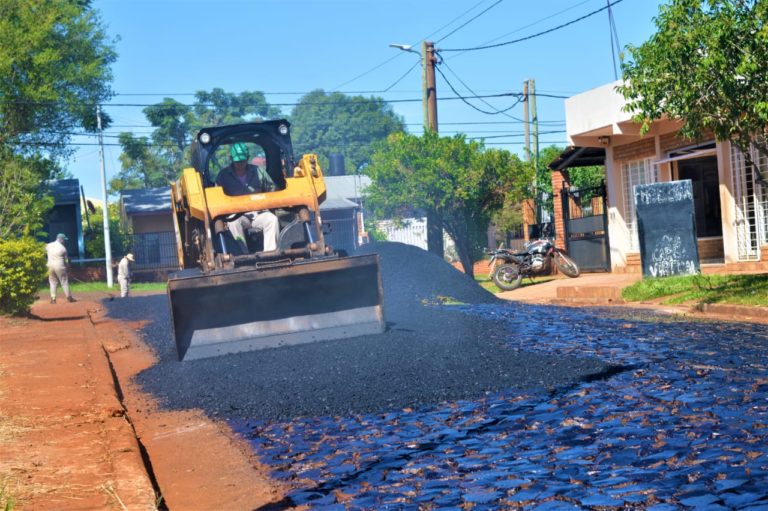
[560, 180]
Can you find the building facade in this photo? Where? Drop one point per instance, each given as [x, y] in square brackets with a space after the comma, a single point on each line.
[730, 203]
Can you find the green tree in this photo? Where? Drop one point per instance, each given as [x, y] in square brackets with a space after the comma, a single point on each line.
[23, 206]
[94, 238]
[460, 181]
[218, 107]
[55, 62]
[327, 123]
[705, 65]
[148, 162]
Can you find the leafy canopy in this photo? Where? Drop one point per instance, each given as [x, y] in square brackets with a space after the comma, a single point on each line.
[459, 181]
[154, 161]
[705, 65]
[55, 62]
[327, 123]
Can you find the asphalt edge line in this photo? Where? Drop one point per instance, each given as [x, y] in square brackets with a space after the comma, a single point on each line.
[161, 506]
[146, 461]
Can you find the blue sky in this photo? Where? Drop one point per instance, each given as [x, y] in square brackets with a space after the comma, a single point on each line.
[285, 48]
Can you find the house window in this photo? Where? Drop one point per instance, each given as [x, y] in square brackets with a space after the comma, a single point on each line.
[637, 172]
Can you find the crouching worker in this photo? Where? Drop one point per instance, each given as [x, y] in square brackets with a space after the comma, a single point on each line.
[242, 178]
[124, 274]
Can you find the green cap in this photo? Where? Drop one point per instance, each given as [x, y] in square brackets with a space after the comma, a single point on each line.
[62, 236]
[238, 152]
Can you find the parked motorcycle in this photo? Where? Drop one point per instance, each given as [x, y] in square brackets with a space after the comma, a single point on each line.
[508, 268]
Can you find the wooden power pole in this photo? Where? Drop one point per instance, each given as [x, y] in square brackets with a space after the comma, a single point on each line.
[428, 59]
[526, 122]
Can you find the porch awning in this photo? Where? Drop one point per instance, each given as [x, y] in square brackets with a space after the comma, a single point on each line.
[694, 154]
[576, 156]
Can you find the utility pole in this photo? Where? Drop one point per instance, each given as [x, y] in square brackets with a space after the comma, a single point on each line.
[430, 87]
[526, 122]
[107, 245]
[428, 59]
[535, 121]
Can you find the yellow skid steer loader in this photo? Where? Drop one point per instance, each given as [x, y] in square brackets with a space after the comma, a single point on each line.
[255, 270]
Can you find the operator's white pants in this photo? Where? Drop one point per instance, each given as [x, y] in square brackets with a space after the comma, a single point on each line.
[58, 276]
[125, 286]
[264, 221]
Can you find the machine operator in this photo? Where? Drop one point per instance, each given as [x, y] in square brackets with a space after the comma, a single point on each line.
[242, 178]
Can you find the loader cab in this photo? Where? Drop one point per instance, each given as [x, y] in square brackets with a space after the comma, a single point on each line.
[269, 146]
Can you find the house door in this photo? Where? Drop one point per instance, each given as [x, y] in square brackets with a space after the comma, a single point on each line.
[586, 228]
[706, 194]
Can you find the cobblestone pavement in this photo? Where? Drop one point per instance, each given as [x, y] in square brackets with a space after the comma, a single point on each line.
[682, 423]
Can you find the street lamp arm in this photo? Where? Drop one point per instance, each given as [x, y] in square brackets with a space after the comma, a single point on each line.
[405, 47]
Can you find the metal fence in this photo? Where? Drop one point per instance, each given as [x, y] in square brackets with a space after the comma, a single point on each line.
[153, 250]
[341, 233]
[412, 231]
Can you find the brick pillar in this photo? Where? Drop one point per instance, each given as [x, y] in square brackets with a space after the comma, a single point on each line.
[560, 180]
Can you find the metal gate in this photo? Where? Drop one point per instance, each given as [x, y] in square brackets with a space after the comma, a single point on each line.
[585, 217]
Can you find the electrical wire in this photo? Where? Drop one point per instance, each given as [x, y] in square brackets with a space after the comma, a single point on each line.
[402, 77]
[327, 103]
[455, 19]
[540, 20]
[532, 36]
[615, 47]
[464, 99]
[468, 21]
[473, 92]
[423, 39]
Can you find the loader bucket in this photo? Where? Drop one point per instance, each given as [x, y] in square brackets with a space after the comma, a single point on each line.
[251, 309]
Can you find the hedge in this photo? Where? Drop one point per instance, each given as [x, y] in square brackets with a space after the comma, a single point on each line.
[22, 269]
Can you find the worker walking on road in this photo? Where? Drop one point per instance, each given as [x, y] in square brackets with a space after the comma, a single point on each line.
[58, 266]
[124, 274]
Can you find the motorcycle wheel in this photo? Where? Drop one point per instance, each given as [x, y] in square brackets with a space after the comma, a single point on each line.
[507, 277]
[566, 265]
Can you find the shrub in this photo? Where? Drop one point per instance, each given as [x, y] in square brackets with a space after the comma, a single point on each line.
[22, 268]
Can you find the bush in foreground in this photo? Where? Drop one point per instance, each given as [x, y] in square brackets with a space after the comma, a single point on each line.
[22, 268]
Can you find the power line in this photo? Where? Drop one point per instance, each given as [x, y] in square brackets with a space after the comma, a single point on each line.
[519, 97]
[328, 103]
[403, 76]
[615, 48]
[87, 144]
[497, 111]
[454, 19]
[424, 39]
[540, 20]
[462, 123]
[526, 38]
[468, 21]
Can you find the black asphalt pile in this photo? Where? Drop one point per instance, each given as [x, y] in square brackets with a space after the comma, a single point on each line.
[429, 354]
[411, 276]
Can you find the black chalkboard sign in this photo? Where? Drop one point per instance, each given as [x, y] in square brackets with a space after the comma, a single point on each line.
[666, 227]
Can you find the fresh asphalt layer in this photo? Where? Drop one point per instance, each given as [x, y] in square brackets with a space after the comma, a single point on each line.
[536, 407]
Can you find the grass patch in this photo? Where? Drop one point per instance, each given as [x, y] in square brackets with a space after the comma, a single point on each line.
[7, 502]
[733, 289]
[84, 287]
